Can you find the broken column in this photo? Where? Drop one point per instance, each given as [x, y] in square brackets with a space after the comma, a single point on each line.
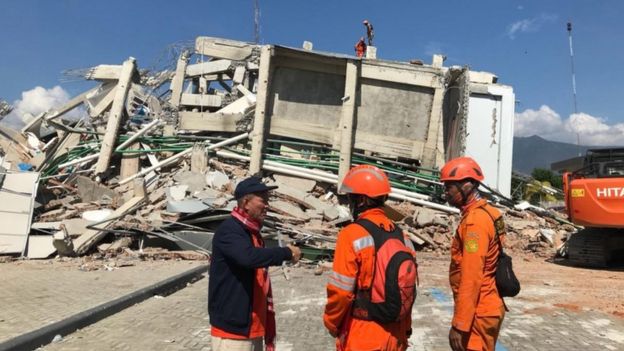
[115, 116]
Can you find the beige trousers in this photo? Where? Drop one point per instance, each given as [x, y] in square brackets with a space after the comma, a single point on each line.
[221, 344]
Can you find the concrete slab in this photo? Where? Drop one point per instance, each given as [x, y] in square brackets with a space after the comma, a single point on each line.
[287, 208]
[295, 182]
[40, 246]
[193, 180]
[89, 190]
[177, 192]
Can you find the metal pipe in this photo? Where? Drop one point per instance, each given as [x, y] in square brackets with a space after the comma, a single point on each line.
[181, 154]
[136, 135]
[80, 160]
[424, 203]
[299, 174]
[333, 179]
[318, 175]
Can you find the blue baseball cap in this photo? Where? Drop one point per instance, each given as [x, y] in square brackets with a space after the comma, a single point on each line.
[251, 185]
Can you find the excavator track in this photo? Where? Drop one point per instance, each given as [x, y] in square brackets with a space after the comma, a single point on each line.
[595, 247]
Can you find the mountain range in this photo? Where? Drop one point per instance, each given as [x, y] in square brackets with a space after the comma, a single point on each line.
[537, 152]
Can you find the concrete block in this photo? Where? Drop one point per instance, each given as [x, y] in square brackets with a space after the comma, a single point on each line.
[89, 190]
[177, 192]
[220, 202]
[529, 233]
[203, 100]
[186, 206]
[424, 217]
[371, 52]
[548, 235]
[208, 193]
[239, 106]
[199, 159]
[239, 74]
[287, 208]
[217, 180]
[40, 246]
[193, 180]
[333, 213]
[63, 243]
[438, 60]
[301, 184]
[210, 67]
[223, 48]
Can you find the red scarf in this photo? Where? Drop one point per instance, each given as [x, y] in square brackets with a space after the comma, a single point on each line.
[252, 224]
[254, 227]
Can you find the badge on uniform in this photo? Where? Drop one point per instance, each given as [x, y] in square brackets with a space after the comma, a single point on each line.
[499, 225]
[472, 243]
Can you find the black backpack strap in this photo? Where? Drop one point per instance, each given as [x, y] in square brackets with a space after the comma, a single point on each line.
[499, 226]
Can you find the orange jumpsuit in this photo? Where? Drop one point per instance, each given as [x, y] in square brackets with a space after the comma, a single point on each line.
[353, 267]
[360, 48]
[474, 255]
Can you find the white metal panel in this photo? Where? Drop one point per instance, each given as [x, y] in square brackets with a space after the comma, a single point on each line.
[489, 138]
[16, 207]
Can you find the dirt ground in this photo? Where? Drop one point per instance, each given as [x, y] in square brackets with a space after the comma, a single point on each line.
[556, 283]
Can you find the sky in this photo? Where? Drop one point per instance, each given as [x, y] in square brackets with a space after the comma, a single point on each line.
[525, 43]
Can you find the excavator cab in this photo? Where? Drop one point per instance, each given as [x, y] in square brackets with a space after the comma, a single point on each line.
[594, 197]
[594, 194]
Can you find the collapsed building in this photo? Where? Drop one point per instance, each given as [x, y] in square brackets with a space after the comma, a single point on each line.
[156, 158]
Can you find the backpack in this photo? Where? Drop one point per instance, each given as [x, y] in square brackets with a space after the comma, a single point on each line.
[507, 283]
[393, 290]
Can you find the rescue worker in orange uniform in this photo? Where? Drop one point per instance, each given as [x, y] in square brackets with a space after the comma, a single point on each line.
[367, 188]
[479, 310]
[360, 47]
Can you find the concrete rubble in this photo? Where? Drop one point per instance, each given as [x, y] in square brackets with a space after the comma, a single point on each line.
[149, 171]
[5, 108]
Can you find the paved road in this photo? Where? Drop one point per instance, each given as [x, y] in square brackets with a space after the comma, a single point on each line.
[180, 322]
[34, 294]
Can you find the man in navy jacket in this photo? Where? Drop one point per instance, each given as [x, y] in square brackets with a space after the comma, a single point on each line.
[240, 302]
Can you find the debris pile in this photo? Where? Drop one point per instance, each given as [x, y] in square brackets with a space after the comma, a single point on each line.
[151, 167]
[528, 231]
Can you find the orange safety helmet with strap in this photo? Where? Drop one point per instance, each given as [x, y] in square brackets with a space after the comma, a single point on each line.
[365, 180]
[461, 168]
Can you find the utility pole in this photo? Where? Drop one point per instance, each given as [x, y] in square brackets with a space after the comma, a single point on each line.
[256, 22]
[578, 138]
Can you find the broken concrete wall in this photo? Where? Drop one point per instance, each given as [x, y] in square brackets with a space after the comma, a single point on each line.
[307, 93]
[478, 122]
[456, 112]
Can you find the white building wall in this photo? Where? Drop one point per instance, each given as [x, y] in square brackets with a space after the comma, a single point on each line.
[489, 138]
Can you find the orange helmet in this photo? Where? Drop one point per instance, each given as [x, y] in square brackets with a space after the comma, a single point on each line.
[461, 168]
[365, 180]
